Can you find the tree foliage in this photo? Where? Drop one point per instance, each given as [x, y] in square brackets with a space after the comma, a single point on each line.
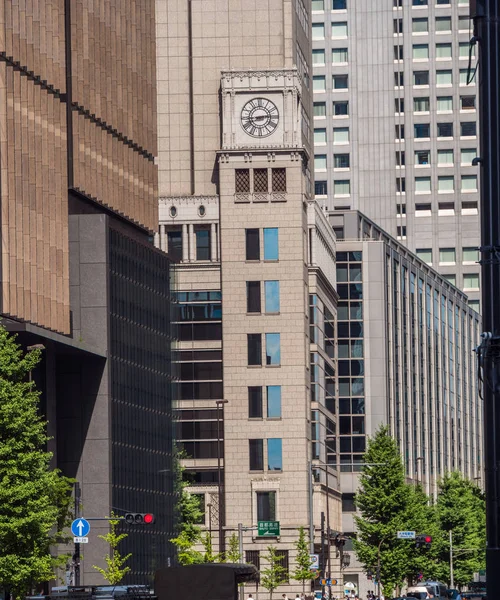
[303, 559]
[115, 570]
[275, 574]
[34, 499]
[233, 552]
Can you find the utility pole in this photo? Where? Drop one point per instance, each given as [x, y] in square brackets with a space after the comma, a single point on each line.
[486, 17]
[76, 556]
[240, 551]
[311, 507]
[452, 580]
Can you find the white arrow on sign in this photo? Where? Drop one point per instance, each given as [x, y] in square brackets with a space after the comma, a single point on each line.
[80, 526]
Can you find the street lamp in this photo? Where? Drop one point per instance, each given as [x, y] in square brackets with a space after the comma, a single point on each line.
[30, 349]
[219, 404]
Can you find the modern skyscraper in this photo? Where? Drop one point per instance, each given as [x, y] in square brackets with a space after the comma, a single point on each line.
[395, 124]
[79, 272]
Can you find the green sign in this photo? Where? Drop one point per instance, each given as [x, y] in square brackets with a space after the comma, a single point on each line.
[268, 528]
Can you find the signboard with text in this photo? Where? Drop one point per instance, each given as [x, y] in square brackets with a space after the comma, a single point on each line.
[268, 528]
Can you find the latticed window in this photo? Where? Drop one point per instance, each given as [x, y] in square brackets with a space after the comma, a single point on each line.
[282, 556]
[279, 180]
[260, 185]
[253, 558]
[242, 181]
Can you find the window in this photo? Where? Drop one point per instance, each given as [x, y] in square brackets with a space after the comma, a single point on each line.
[278, 179]
[445, 157]
[318, 5]
[339, 30]
[420, 77]
[464, 23]
[318, 31]
[320, 188]
[242, 181]
[320, 162]
[274, 454]
[444, 103]
[252, 557]
[341, 187]
[256, 453]
[320, 136]
[446, 209]
[341, 161]
[399, 79]
[445, 130]
[283, 559]
[400, 132]
[401, 232]
[398, 3]
[271, 246]
[401, 210]
[273, 349]
[339, 55]
[202, 244]
[467, 155]
[253, 296]
[468, 102]
[471, 281]
[340, 82]
[423, 209]
[252, 243]
[266, 506]
[318, 57]
[422, 157]
[340, 135]
[420, 52]
[398, 53]
[464, 49]
[444, 77]
[174, 239]
[422, 185]
[469, 207]
[422, 130]
[272, 296]
[421, 104]
[419, 2]
[339, 4]
[443, 24]
[319, 83]
[443, 51]
[400, 158]
[447, 256]
[451, 278]
[254, 342]
[447, 2]
[420, 25]
[401, 185]
[273, 401]
[255, 402]
[470, 255]
[319, 109]
[348, 504]
[446, 184]
[260, 181]
[398, 26]
[399, 105]
[469, 183]
[425, 255]
[468, 129]
[464, 77]
[340, 108]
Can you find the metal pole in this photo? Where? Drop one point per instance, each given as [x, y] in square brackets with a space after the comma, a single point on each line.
[486, 16]
[240, 550]
[452, 580]
[378, 567]
[76, 556]
[219, 481]
[328, 557]
[311, 520]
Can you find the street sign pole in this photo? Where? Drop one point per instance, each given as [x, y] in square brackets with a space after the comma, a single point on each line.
[76, 555]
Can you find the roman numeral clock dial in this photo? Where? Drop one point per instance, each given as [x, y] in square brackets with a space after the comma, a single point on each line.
[259, 117]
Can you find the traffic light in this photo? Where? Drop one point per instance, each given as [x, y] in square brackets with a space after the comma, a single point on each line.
[423, 541]
[139, 518]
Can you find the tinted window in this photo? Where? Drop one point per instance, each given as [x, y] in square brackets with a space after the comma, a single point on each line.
[252, 244]
[256, 455]
[175, 245]
[272, 296]
[271, 251]
[266, 506]
[202, 244]
[274, 401]
[273, 349]
[254, 348]
[255, 402]
[253, 296]
[274, 454]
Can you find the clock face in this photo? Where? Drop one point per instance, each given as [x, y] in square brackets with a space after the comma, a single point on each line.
[259, 117]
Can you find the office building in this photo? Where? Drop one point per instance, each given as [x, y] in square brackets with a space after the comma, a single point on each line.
[80, 274]
[256, 256]
[406, 340]
[396, 124]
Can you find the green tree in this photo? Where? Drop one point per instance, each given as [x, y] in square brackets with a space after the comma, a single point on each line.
[303, 560]
[275, 574]
[233, 552]
[383, 501]
[189, 514]
[115, 570]
[34, 499]
[461, 509]
[209, 556]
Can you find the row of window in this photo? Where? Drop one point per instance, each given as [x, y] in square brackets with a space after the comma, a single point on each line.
[274, 454]
[443, 51]
[273, 349]
[442, 25]
[259, 180]
[445, 158]
[339, 108]
[448, 256]
[319, 5]
[444, 78]
[422, 209]
[468, 129]
[445, 184]
[422, 104]
[202, 242]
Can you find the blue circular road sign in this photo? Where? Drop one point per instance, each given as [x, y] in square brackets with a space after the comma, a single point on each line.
[80, 527]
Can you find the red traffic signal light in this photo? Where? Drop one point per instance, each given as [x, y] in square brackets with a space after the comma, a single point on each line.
[428, 539]
[139, 518]
[423, 541]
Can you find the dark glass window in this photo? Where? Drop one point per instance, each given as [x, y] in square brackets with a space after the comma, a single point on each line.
[445, 129]
[253, 558]
[320, 188]
[202, 244]
[175, 245]
[256, 453]
[252, 244]
[340, 108]
[339, 4]
[468, 129]
[255, 402]
[420, 77]
[254, 348]
[253, 296]
[266, 506]
[348, 503]
[422, 130]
